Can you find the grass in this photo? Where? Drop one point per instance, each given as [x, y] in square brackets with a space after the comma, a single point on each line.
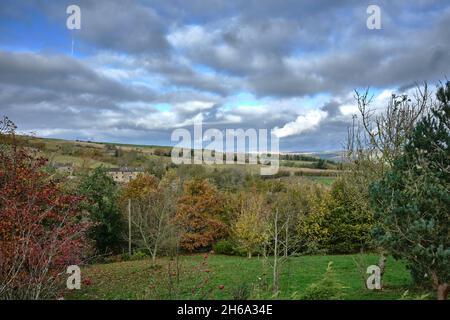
[324, 180]
[143, 280]
[78, 161]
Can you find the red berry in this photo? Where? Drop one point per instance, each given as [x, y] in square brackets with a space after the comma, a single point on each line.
[87, 282]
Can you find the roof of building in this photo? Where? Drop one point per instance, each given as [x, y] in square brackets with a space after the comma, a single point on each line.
[125, 169]
[61, 165]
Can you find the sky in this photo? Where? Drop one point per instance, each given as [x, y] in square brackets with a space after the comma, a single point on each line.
[141, 69]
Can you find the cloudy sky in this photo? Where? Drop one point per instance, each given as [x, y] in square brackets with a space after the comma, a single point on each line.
[140, 69]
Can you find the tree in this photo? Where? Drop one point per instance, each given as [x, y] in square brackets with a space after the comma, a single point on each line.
[152, 207]
[101, 201]
[42, 230]
[350, 220]
[412, 201]
[250, 229]
[320, 164]
[288, 208]
[199, 215]
[156, 167]
[384, 134]
[138, 188]
[376, 138]
[311, 222]
[328, 288]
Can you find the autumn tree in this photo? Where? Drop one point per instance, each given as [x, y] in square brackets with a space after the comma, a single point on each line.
[138, 188]
[251, 226]
[42, 230]
[199, 215]
[311, 224]
[152, 206]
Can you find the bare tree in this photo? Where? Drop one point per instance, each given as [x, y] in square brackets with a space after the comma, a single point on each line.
[381, 134]
[280, 245]
[7, 133]
[377, 137]
[151, 218]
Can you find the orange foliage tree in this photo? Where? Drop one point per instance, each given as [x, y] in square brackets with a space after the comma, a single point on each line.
[200, 215]
[139, 188]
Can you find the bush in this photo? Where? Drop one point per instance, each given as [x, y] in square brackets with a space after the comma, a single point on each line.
[280, 174]
[113, 258]
[315, 173]
[230, 179]
[225, 247]
[241, 292]
[138, 255]
[229, 248]
[42, 229]
[329, 288]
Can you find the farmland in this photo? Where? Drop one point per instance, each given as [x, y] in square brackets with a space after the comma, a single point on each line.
[90, 155]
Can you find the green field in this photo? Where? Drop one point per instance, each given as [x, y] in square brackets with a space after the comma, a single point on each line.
[200, 278]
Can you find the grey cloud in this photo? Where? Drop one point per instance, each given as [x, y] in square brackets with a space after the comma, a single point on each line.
[118, 25]
[123, 26]
[256, 50]
[332, 108]
[271, 49]
[180, 75]
[63, 75]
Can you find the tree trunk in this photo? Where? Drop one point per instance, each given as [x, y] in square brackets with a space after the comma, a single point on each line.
[275, 256]
[154, 253]
[129, 227]
[442, 291]
[249, 254]
[287, 238]
[382, 264]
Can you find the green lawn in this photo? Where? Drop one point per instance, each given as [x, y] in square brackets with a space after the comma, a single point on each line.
[201, 278]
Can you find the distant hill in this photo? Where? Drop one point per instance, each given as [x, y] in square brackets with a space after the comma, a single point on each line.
[336, 156]
[88, 155]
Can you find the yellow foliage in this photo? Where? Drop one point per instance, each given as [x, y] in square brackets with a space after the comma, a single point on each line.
[251, 227]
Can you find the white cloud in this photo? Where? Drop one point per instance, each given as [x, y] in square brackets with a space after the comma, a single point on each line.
[378, 104]
[194, 106]
[189, 37]
[348, 109]
[301, 124]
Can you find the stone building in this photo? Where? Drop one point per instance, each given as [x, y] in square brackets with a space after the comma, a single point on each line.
[66, 168]
[125, 174]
